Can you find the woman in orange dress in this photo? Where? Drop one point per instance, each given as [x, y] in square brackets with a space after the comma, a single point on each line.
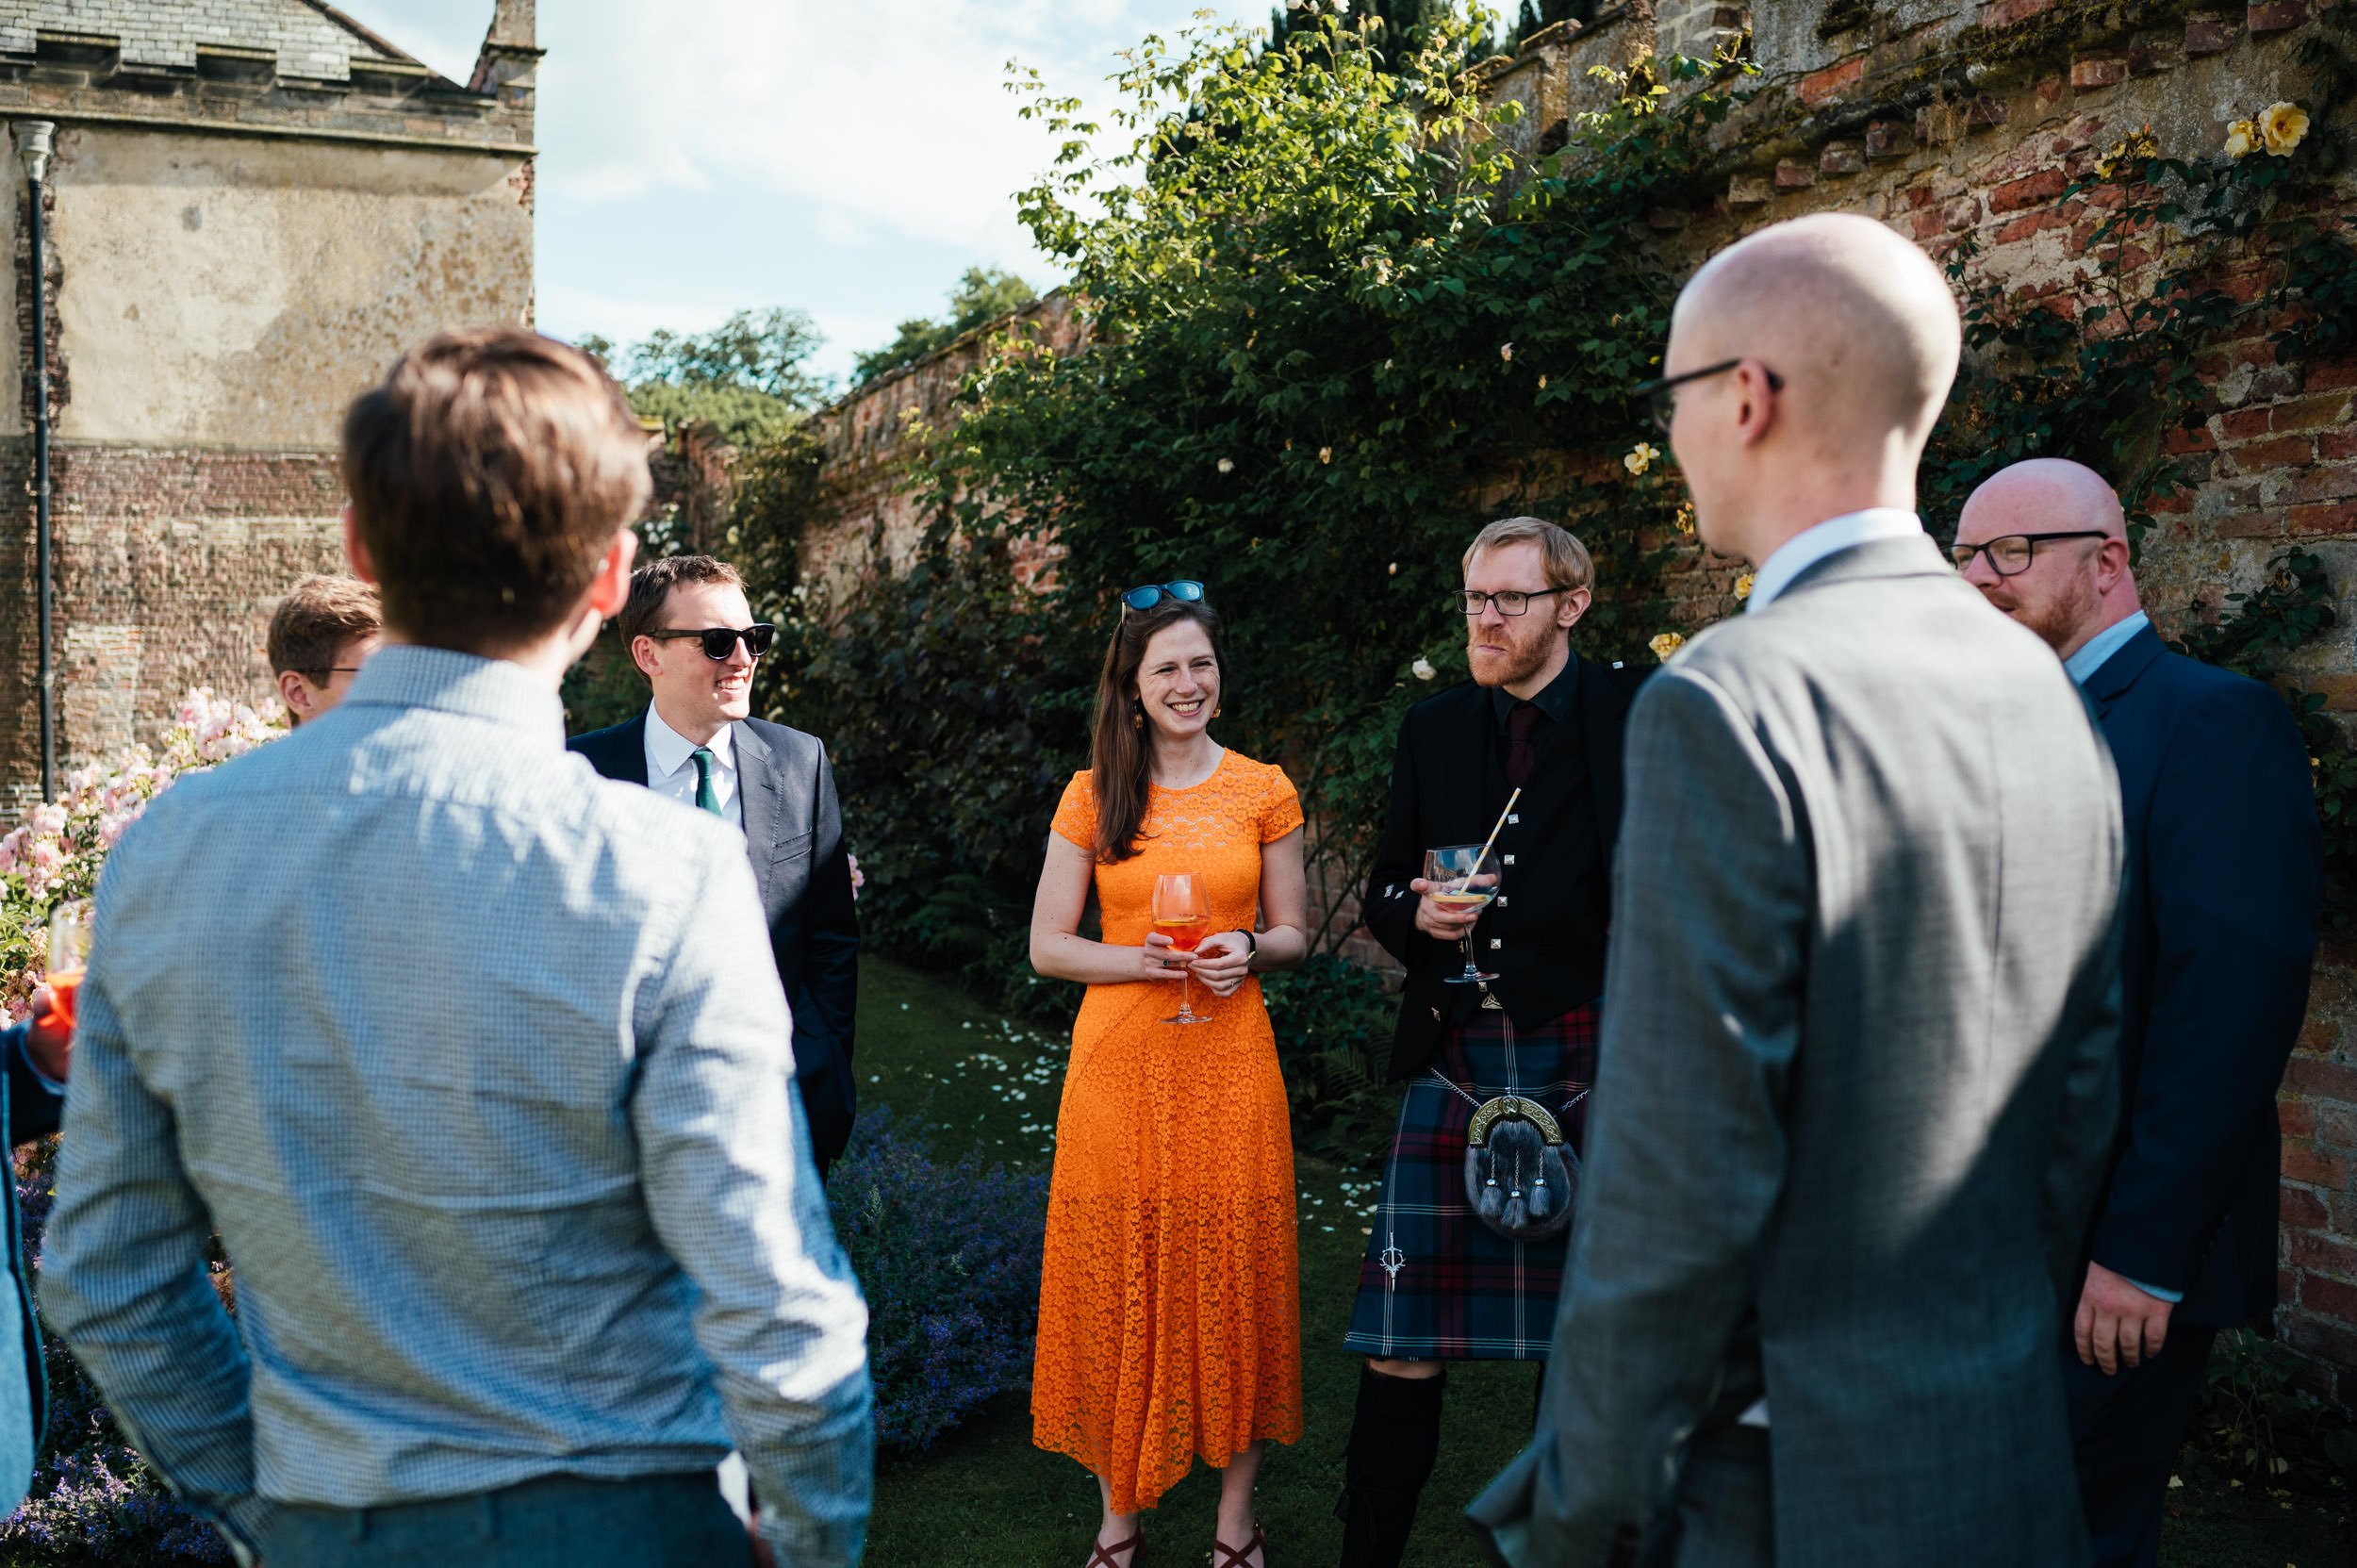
[1169, 1309]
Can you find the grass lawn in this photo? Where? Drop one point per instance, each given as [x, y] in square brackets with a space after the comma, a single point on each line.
[983, 1497]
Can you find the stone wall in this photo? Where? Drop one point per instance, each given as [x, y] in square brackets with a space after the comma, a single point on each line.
[1949, 119]
[253, 208]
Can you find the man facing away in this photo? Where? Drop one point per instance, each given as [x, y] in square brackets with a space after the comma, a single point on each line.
[35, 1056]
[473, 1059]
[1857, 1074]
[688, 629]
[2223, 887]
[1437, 1285]
[319, 635]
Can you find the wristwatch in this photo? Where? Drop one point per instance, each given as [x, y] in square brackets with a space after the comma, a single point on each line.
[1251, 949]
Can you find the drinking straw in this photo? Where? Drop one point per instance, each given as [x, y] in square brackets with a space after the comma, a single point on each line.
[1493, 834]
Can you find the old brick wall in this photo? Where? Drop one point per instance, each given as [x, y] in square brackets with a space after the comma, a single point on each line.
[254, 205]
[1949, 119]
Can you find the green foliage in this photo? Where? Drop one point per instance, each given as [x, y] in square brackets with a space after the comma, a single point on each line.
[748, 378]
[1333, 1024]
[981, 296]
[2254, 1425]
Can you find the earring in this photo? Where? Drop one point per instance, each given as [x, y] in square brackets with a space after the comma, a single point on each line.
[1137, 718]
[1217, 712]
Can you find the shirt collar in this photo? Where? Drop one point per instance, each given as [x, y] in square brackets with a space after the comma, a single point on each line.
[2098, 649]
[403, 675]
[1811, 545]
[1554, 701]
[669, 750]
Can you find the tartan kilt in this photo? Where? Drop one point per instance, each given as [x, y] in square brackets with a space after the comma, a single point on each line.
[1458, 1290]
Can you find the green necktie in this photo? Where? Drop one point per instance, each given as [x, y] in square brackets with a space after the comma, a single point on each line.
[705, 798]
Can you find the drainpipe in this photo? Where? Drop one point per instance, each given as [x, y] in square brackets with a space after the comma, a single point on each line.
[34, 139]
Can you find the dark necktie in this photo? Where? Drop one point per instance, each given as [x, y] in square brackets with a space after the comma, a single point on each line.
[1521, 720]
[705, 798]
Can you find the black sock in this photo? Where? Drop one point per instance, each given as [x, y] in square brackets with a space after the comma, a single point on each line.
[1395, 1440]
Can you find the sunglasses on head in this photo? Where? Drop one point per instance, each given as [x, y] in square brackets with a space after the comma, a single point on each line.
[1150, 594]
[719, 642]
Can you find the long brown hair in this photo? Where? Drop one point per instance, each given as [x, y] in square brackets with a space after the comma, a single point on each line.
[1121, 761]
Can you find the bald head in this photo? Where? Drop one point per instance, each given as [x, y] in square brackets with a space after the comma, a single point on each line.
[1856, 321]
[2038, 494]
[2045, 541]
[1843, 339]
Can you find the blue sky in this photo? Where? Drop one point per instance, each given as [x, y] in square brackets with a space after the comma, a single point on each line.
[847, 157]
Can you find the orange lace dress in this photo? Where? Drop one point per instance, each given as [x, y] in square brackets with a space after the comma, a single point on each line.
[1169, 1304]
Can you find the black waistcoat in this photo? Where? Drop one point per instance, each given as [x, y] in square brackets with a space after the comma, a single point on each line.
[1546, 937]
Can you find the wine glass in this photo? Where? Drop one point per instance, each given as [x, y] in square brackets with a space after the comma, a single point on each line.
[69, 955]
[1463, 876]
[1181, 912]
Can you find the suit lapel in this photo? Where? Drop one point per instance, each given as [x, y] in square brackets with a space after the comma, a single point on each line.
[757, 792]
[2113, 677]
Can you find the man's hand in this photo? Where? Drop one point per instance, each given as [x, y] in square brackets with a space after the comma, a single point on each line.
[49, 1046]
[2118, 1324]
[1438, 921]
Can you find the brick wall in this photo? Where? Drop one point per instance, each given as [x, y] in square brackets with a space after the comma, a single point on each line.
[1947, 119]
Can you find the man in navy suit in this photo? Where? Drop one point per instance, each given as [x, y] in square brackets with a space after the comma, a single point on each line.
[2223, 887]
[688, 629]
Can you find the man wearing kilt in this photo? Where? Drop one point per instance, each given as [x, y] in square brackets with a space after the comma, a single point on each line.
[1439, 1284]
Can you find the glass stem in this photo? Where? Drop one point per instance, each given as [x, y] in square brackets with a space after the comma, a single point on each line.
[1186, 994]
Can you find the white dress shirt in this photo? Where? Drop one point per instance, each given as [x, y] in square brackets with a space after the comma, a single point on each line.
[2100, 648]
[671, 766]
[1811, 545]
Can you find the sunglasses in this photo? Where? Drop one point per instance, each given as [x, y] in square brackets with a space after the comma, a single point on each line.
[1146, 596]
[719, 642]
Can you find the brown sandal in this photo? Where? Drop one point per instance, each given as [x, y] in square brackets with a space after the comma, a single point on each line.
[1102, 1556]
[1236, 1556]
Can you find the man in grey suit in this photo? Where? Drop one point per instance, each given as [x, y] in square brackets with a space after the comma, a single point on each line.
[1856, 1080]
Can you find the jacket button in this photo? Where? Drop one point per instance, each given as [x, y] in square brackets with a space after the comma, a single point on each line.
[1496, 942]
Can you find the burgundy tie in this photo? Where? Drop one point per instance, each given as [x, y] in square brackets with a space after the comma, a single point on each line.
[1521, 720]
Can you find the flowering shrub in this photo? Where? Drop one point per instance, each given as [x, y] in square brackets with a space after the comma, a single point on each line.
[55, 852]
[949, 1255]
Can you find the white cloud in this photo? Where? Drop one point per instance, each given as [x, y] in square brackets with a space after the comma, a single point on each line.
[886, 116]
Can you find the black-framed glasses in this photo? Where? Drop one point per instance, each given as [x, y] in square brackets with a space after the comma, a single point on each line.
[720, 641]
[1661, 395]
[1146, 595]
[1508, 600]
[2010, 554]
[318, 677]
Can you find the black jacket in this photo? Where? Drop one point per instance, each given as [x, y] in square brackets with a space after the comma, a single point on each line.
[1449, 769]
[794, 833]
[2223, 889]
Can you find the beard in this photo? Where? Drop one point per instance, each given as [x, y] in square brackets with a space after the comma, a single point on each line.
[2055, 617]
[1521, 657]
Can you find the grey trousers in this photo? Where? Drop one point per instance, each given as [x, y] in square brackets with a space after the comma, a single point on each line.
[1726, 1512]
[558, 1522]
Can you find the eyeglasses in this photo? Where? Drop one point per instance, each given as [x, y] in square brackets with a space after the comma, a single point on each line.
[318, 677]
[1508, 600]
[1661, 395]
[1148, 595]
[720, 641]
[2010, 554]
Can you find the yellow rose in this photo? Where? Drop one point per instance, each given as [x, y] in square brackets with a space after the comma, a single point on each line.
[1743, 587]
[1640, 458]
[2242, 138]
[1505, 351]
[2282, 127]
[1666, 644]
[1326, 454]
[1685, 518]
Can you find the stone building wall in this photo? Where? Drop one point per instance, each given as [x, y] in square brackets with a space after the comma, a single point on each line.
[1949, 119]
[254, 206]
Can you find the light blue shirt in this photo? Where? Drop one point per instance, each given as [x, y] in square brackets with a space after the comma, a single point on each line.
[2099, 649]
[480, 1067]
[1811, 545]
